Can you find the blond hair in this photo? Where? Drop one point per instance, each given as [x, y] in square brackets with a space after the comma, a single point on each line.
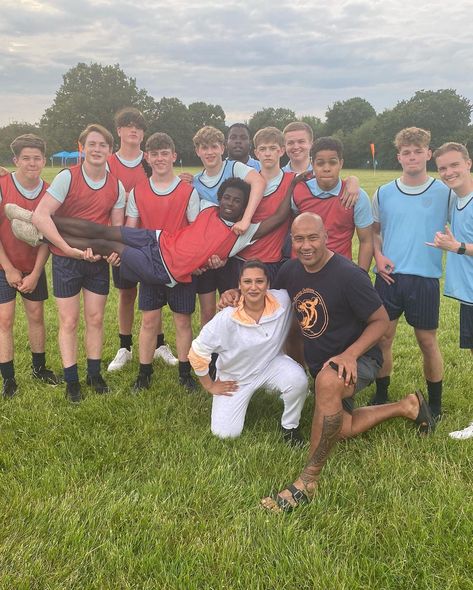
[268, 135]
[299, 126]
[207, 136]
[412, 136]
[452, 146]
[95, 127]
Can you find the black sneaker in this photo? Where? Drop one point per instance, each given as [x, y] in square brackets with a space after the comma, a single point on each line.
[98, 383]
[142, 382]
[9, 387]
[293, 437]
[73, 392]
[46, 376]
[188, 382]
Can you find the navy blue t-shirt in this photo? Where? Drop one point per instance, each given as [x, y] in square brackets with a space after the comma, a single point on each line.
[331, 306]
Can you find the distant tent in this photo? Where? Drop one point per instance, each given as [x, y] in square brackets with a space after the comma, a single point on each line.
[65, 157]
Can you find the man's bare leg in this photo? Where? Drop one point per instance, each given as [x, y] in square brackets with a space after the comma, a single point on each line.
[80, 228]
[330, 424]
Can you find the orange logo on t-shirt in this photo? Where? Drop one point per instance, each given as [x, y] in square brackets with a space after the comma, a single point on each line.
[311, 313]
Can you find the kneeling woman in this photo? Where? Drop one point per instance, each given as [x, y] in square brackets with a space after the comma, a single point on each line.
[249, 340]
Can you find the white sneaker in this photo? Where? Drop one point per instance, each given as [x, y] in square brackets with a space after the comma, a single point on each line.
[463, 434]
[164, 353]
[122, 357]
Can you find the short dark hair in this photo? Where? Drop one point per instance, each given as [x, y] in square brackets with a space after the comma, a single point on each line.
[160, 141]
[28, 140]
[327, 143]
[235, 183]
[96, 128]
[129, 116]
[255, 263]
[242, 125]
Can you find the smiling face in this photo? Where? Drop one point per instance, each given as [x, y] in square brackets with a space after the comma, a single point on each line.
[161, 161]
[298, 144]
[232, 204]
[327, 166]
[309, 241]
[29, 165]
[96, 149]
[254, 286]
[455, 171]
[211, 155]
[238, 144]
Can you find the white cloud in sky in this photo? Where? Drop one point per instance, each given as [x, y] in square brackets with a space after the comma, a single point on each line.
[242, 55]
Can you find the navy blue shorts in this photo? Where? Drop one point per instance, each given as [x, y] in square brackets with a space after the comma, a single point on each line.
[8, 293]
[220, 279]
[70, 276]
[119, 282]
[180, 298]
[141, 259]
[418, 298]
[466, 326]
[272, 267]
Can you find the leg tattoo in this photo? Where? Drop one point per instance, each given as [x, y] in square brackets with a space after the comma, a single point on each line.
[330, 430]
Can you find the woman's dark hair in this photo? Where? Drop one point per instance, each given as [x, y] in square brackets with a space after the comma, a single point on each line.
[254, 264]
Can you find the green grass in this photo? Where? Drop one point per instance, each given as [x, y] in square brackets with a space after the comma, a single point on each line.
[134, 492]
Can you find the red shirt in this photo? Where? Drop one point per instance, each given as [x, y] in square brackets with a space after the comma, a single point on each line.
[192, 246]
[85, 202]
[163, 211]
[22, 256]
[339, 221]
[129, 177]
[269, 248]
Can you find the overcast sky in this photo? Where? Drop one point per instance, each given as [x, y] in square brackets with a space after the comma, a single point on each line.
[244, 55]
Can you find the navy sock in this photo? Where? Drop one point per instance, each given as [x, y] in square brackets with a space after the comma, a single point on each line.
[160, 340]
[382, 384]
[184, 368]
[126, 341]
[39, 360]
[7, 370]
[93, 367]
[434, 389]
[146, 369]
[71, 374]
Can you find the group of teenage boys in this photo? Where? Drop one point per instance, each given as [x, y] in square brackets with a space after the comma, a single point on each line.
[139, 188]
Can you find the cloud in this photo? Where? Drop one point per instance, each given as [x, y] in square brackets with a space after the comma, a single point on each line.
[242, 55]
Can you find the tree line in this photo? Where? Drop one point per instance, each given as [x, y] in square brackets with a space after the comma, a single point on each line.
[93, 93]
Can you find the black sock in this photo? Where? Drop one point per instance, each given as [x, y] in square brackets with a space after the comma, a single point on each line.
[7, 370]
[184, 368]
[435, 396]
[382, 384]
[39, 360]
[146, 369]
[71, 374]
[125, 341]
[93, 367]
[160, 340]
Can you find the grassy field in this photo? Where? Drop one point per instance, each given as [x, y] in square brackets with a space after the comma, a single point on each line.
[129, 491]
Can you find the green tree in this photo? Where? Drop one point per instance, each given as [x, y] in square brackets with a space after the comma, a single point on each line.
[8, 134]
[315, 123]
[444, 113]
[270, 116]
[347, 115]
[202, 114]
[356, 144]
[90, 93]
[171, 116]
